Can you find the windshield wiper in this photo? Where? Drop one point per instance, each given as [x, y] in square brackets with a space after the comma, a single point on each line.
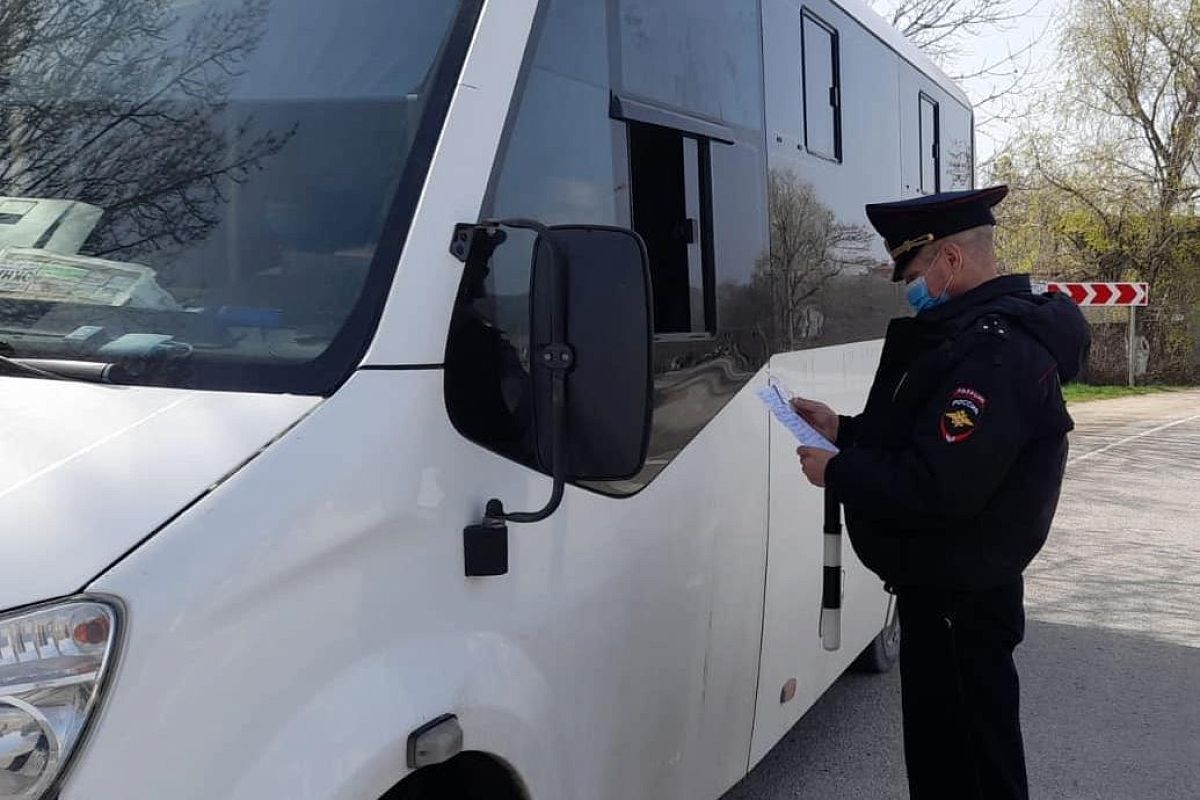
[60, 370]
[14, 367]
[132, 358]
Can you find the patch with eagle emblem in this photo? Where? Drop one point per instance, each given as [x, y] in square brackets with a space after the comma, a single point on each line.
[960, 418]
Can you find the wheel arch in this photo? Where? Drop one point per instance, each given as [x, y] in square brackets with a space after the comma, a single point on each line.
[466, 776]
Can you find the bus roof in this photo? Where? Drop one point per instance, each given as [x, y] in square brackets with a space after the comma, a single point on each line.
[886, 33]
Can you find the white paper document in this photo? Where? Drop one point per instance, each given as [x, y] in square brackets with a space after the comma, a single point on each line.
[775, 396]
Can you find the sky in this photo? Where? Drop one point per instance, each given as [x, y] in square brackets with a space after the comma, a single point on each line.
[1038, 26]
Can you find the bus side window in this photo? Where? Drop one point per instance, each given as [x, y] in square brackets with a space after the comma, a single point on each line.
[671, 192]
[930, 139]
[822, 87]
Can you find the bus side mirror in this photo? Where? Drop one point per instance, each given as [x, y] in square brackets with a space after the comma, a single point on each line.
[591, 324]
[591, 329]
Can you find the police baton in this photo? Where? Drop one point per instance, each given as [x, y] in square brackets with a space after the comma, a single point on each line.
[830, 627]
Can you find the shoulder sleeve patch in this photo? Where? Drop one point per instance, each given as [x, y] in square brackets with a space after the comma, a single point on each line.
[962, 414]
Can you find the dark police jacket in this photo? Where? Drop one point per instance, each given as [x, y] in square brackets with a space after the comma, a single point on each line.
[951, 475]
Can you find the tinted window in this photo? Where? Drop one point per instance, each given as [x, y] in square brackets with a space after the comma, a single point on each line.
[696, 375]
[699, 56]
[216, 174]
[822, 90]
[565, 160]
[556, 166]
[826, 279]
[822, 283]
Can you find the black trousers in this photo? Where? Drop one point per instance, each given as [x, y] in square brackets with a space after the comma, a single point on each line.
[961, 699]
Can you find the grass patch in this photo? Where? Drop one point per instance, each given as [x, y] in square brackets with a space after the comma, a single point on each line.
[1082, 392]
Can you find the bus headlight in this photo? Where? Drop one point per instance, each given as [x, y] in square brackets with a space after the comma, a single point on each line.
[52, 665]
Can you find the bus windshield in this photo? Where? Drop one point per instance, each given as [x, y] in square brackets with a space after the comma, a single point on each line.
[211, 186]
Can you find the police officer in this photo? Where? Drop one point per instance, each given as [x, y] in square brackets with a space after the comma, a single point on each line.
[950, 478]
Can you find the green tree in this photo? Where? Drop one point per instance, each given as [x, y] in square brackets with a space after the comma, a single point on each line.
[1107, 187]
[1127, 147]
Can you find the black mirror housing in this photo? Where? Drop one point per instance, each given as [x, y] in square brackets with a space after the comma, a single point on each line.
[598, 279]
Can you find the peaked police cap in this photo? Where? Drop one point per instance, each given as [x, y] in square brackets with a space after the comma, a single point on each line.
[908, 225]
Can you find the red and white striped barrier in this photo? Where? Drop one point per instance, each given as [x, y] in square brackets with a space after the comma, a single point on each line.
[1129, 295]
[1101, 294]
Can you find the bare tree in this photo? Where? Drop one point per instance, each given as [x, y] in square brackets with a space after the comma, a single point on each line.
[125, 104]
[946, 29]
[940, 26]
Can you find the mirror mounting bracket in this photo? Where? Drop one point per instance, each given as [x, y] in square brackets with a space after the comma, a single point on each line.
[558, 357]
[485, 545]
[475, 243]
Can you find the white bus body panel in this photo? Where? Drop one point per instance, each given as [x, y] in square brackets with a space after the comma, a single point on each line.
[290, 630]
[792, 648]
[887, 35]
[88, 471]
[876, 165]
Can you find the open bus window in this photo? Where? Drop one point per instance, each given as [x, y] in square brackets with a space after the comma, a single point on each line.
[672, 198]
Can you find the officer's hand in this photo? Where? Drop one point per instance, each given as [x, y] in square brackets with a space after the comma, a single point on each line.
[814, 460]
[819, 415]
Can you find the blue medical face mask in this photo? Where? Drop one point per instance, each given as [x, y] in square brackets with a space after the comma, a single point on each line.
[919, 298]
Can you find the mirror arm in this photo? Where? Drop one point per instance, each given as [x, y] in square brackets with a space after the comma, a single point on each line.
[560, 467]
[485, 545]
[479, 241]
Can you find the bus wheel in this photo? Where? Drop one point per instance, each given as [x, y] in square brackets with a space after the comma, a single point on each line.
[881, 654]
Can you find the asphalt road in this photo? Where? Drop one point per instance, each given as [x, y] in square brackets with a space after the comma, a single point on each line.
[1110, 666]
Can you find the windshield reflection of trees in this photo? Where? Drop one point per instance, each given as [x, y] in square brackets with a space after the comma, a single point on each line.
[124, 104]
